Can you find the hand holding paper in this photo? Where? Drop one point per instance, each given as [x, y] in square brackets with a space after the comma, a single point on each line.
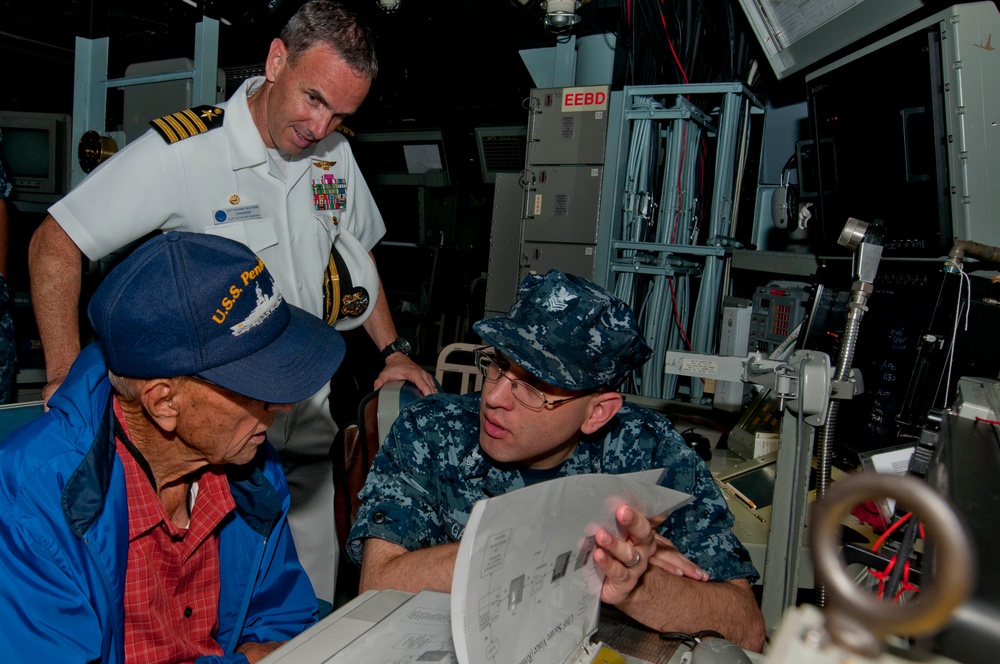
[524, 585]
[626, 558]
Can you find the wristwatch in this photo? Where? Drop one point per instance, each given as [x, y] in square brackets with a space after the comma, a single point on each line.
[400, 345]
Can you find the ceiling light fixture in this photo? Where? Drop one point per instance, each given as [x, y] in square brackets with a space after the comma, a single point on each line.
[560, 15]
[389, 6]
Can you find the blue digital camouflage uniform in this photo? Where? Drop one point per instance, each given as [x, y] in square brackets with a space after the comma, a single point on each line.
[429, 473]
[7, 342]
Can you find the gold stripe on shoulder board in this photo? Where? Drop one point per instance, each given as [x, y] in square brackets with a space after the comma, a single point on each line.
[184, 124]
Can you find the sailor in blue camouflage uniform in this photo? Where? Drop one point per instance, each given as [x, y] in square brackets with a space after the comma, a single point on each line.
[549, 409]
[7, 338]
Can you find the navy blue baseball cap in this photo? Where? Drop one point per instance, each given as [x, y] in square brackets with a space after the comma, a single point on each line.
[568, 332]
[188, 304]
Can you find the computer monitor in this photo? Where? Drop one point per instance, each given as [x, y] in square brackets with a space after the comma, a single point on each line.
[37, 151]
[823, 327]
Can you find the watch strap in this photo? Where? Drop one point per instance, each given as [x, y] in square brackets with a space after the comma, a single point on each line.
[399, 345]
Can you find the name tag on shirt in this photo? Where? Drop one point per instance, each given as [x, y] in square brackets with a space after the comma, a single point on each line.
[238, 213]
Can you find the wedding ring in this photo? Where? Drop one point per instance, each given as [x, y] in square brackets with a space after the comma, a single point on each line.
[634, 561]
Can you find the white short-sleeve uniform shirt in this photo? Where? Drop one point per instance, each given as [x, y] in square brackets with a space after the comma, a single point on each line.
[225, 181]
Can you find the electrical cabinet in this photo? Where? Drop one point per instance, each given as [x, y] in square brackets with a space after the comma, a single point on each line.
[503, 270]
[906, 131]
[563, 205]
[567, 125]
[563, 175]
[540, 257]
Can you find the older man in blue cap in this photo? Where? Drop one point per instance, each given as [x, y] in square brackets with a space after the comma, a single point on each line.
[549, 408]
[144, 516]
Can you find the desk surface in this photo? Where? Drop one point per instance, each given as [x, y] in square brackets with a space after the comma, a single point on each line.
[332, 634]
[321, 641]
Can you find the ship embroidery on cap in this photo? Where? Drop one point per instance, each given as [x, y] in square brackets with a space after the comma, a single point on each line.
[265, 305]
[191, 122]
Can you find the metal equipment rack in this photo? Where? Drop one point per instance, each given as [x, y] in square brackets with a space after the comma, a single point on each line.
[650, 247]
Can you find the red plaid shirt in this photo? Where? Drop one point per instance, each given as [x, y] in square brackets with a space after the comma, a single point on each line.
[172, 578]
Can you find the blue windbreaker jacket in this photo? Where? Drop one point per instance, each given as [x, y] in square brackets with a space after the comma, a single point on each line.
[64, 538]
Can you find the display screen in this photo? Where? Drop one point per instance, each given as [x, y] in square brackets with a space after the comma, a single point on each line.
[795, 34]
[26, 152]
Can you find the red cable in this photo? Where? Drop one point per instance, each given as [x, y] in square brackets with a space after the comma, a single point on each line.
[904, 584]
[677, 316]
[677, 60]
[884, 574]
[888, 531]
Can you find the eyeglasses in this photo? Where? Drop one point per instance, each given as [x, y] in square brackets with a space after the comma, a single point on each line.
[494, 367]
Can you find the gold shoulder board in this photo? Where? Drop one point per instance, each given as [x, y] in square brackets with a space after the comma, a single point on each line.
[183, 124]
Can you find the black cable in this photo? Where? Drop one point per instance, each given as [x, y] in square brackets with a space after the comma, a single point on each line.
[686, 639]
[695, 48]
[693, 639]
[690, 37]
[731, 33]
[653, 33]
[902, 556]
[694, 28]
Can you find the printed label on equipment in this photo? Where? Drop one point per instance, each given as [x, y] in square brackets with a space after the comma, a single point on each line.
[568, 127]
[592, 98]
[562, 205]
[700, 366]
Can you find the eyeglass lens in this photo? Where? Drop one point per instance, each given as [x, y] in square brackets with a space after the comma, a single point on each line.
[493, 368]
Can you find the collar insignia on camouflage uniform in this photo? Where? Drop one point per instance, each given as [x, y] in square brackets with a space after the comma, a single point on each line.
[184, 124]
[325, 165]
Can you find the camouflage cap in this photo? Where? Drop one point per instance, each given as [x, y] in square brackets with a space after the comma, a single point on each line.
[568, 332]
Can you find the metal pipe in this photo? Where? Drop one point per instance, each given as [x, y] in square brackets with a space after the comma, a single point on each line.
[963, 248]
[866, 241]
[860, 291]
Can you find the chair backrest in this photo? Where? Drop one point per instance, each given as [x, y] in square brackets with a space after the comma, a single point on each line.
[16, 415]
[358, 444]
[456, 369]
